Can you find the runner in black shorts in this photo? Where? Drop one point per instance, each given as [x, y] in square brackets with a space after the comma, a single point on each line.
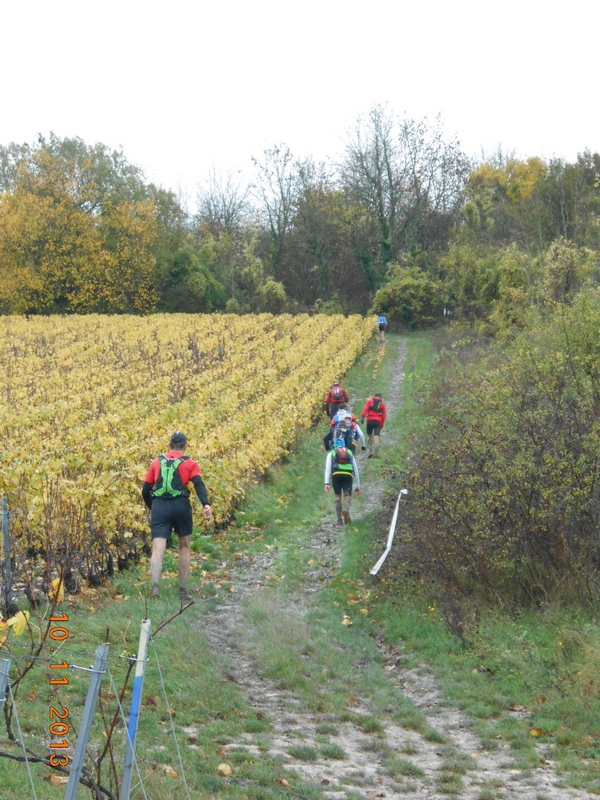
[375, 413]
[166, 494]
[341, 472]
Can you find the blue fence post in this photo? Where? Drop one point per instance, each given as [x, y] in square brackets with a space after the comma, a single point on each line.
[134, 715]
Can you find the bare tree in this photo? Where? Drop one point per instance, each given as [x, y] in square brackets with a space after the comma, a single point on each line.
[223, 203]
[407, 176]
[276, 194]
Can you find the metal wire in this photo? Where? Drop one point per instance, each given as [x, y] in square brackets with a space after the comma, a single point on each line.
[22, 740]
[187, 791]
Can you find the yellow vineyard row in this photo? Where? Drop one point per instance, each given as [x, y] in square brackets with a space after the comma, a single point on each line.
[87, 402]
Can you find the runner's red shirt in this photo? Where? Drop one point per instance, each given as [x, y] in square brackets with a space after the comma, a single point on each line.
[188, 469]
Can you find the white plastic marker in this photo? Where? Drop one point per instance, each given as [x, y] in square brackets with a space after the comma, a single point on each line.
[377, 566]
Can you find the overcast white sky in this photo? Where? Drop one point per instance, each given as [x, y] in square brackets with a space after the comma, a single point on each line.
[183, 86]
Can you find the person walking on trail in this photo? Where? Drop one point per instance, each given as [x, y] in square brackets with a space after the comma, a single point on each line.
[382, 326]
[339, 427]
[357, 436]
[166, 494]
[344, 426]
[337, 395]
[374, 412]
[341, 473]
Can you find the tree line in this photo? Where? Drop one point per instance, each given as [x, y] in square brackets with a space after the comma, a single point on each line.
[82, 231]
[405, 223]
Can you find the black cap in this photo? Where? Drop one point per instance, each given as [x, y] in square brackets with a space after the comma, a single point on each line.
[178, 439]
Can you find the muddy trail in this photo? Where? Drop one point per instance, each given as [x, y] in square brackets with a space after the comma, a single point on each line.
[422, 764]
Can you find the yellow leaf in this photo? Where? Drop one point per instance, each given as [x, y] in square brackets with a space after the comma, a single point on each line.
[19, 622]
[57, 590]
[56, 780]
[225, 770]
[346, 621]
[535, 731]
[168, 770]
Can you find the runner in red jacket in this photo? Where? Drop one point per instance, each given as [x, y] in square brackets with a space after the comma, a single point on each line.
[166, 493]
[337, 395]
[375, 412]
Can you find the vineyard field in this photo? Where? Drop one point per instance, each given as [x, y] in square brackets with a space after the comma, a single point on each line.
[88, 401]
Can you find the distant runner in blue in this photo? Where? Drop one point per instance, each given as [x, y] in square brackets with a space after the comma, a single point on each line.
[382, 325]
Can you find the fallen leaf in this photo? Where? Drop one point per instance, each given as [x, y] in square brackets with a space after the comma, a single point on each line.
[535, 731]
[168, 770]
[518, 708]
[225, 770]
[282, 782]
[56, 590]
[56, 780]
[541, 699]
[192, 739]
[346, 621]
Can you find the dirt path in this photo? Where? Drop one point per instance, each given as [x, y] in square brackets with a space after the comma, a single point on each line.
[489, 773]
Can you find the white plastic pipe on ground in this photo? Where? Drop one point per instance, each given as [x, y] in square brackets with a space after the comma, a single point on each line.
[377, 566]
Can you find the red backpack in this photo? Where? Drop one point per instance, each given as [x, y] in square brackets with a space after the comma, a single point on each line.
[342, 460]
[337, 393]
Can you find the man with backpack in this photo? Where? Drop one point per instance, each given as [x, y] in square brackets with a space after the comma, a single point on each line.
[341, 472]
[337, 395]
[357, 435]
[339, 428]
[344, 426]
[382, 326]
[166, 494]
[375, 412]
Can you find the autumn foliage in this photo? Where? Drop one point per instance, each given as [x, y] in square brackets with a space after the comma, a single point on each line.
[88, 401]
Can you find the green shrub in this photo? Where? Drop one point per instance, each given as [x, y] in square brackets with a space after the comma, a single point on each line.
[412, 299]
[506, 483]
